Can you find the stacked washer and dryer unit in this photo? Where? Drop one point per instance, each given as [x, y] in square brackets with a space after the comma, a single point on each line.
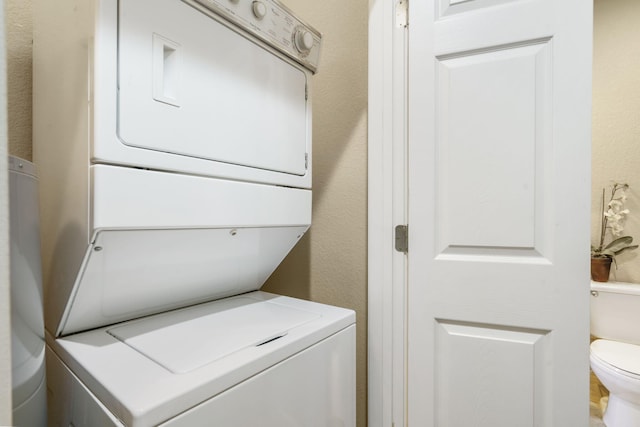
[173, 140]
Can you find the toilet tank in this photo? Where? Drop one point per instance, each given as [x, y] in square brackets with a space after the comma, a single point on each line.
[615, 311]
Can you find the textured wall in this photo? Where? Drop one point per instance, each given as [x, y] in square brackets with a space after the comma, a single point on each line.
[19, 41]
[616, 117]
[329, 265]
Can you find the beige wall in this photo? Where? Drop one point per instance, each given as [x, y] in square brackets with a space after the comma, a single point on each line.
[616, 116]
[329, 264]
[19, 38]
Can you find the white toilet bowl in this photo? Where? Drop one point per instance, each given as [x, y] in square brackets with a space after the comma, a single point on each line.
[617, 365]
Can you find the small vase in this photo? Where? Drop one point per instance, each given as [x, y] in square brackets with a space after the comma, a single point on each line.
[600, 268]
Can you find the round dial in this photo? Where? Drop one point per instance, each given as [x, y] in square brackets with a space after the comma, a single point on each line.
[259, 9]
[303, 40]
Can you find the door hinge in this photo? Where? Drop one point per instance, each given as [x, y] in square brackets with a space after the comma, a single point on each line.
[402, 238]
[402, 13]
[306, 161]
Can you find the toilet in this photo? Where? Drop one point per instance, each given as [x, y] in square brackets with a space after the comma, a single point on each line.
[615, 355]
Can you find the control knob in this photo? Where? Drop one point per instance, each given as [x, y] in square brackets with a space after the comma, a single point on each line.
[259, 9]
[303, 40]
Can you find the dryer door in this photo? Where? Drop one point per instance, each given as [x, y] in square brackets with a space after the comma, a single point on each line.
[191, 86]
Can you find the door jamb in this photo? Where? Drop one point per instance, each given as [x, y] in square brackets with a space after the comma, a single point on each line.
[387, 188]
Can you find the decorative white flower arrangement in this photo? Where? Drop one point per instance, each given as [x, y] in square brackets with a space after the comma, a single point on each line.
[612, 219]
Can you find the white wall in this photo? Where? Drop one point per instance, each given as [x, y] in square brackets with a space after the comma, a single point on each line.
[616, 117]
[5, 313]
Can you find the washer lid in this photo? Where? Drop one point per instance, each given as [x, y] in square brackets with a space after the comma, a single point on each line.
[620, 355]
[182, 341]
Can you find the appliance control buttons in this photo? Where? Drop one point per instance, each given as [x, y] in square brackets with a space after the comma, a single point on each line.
[303, 40]
[272, 23]
[259, 9]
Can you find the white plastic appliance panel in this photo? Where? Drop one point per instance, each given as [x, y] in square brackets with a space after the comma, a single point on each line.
[136, 198]
[278, 27]
[287, 394]
[130, 198]
[71, 403]
[180, 267]
[174, 340]
[189, 85]
[141, 392]
[314, 388]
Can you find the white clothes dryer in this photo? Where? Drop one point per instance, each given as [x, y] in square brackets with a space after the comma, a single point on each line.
[173, 140]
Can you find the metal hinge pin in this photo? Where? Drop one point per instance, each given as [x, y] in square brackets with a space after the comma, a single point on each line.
[402, 238]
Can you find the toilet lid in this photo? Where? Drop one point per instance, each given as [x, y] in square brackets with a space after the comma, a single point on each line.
[620, 355]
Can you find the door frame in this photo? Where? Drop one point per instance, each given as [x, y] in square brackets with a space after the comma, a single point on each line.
[387, 188]
[387, 207]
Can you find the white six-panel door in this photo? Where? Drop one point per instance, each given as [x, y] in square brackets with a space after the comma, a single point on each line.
[499, 167]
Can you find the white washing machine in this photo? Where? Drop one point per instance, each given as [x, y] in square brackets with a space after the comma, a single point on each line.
[173, 140]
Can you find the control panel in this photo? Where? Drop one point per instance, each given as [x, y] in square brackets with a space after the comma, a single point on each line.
[271, 22]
